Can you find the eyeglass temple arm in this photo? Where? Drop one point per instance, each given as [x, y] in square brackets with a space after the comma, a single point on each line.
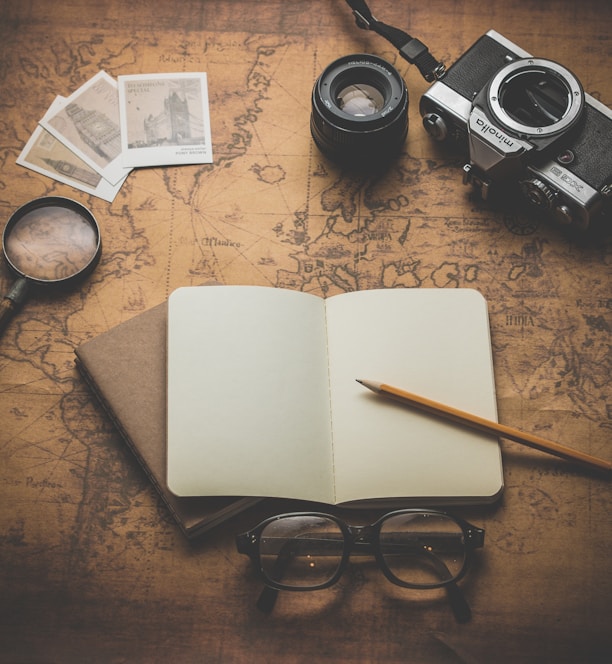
[268, 596]
[267, 599]
[474, 538]
[245, 543]
[358, 547]
[459, 605]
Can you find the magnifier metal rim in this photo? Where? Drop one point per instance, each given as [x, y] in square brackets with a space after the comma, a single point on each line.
[572, 113]
[61, 202]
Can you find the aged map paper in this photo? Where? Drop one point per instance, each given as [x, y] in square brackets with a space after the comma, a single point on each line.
[80, 527]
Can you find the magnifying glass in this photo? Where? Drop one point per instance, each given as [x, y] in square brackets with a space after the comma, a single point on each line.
[48, 242]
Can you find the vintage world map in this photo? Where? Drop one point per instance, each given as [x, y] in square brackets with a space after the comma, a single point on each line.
[270, 210]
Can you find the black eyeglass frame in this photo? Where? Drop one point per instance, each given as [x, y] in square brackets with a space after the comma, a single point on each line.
[354, 536]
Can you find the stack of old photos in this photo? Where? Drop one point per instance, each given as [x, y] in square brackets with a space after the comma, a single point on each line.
[92, 139]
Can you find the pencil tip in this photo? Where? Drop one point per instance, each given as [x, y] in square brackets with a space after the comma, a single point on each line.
[370, 384]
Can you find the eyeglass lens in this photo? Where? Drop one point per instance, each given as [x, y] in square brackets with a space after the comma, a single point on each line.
[423, 549]
[305, 551]
[301, 551]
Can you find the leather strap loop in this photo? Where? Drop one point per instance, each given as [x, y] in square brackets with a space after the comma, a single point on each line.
[411, 49]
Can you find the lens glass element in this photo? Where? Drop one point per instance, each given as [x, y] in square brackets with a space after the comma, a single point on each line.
[360, 100]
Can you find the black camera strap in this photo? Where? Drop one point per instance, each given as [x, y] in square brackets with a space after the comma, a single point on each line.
[411, 49]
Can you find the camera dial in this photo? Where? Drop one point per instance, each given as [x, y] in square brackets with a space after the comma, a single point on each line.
[435, 126]
[541, 196]
[538, 193]
[359, 111]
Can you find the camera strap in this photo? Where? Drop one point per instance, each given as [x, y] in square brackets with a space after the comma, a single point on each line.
[411, 49]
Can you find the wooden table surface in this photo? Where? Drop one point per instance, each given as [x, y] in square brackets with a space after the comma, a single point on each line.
[92, 567]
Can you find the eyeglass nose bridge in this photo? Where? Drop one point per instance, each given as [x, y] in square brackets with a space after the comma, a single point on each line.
[361, 539]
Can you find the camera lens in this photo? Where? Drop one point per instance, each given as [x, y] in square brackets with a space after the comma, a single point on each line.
[536, 97]
[359, 111]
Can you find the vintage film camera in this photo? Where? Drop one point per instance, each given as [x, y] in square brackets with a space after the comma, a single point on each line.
[527, 121]
[524, 122]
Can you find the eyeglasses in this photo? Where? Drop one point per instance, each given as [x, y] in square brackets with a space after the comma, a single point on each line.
[414, 548]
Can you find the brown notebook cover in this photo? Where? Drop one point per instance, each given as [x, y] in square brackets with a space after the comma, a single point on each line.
[126, 369]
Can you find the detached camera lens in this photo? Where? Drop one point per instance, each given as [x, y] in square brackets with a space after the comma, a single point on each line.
[359, 111]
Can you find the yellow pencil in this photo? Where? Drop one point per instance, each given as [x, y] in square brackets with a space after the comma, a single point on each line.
[487, 426]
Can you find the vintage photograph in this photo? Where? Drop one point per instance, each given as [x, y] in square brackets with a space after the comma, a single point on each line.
[164, 119]
[46, 155]
[88, 124]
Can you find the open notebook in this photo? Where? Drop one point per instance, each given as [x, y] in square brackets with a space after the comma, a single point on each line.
[263, 398]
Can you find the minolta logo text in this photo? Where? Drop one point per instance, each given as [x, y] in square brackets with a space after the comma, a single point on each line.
[494, 133]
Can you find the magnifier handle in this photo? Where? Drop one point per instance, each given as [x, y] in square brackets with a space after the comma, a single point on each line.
[12, 301]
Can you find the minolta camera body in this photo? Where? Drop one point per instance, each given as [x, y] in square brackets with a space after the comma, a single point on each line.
[527, 121]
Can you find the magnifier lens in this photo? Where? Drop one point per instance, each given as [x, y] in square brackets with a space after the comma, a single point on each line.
[51, 243]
